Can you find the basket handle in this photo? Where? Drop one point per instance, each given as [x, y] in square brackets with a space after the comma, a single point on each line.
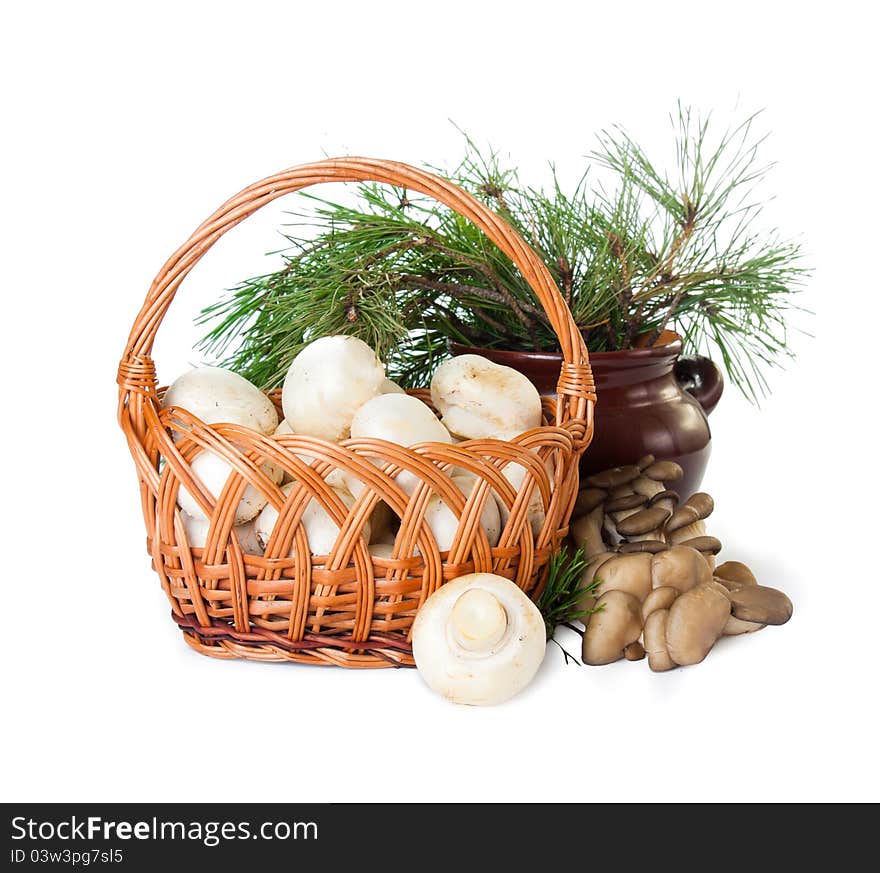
[575, 387]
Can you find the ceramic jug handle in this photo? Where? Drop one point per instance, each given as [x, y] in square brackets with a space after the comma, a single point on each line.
[701, 378]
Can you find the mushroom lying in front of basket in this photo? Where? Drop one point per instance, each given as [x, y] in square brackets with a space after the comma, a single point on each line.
[478, 640]
[651, 581]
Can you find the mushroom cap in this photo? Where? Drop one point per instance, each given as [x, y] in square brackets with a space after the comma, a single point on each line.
[736, 573]
[389, 386]
[760, 604]
[626, 501]
[688, 532]
[655, 642]
[644, 462]
[628, 573]
[213, 471]
[646, 486]
[613, 477]
[398, 418]
[586, 532]
[652, 546]
[442, 520]
[321, 531]
[698, 506]
[735, 627]
[643, 522]
[478, 639]
[634, 652]
[479, 399]
[219, 396]
[696, 620]
[704, 544]
[610, 630]
[667, 494]
[659, 598]
[587, 500]
[328, 381]
[679, 567]
[663, 471]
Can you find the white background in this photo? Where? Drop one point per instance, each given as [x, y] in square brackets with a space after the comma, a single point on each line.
[123, 127]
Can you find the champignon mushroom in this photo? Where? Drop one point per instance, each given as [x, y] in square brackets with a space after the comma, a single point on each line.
[213, 472]
[679, 567]
[401, 419]
[389, 386]
[328, 381]
[696, 620]
[479, 399]
[478, 640]
[442, 520]
[220, 396]
[515, 473]
[197, 534]
[321, 531]
[616, 623]
[655, 641]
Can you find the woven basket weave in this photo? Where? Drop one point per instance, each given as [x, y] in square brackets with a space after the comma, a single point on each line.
[345, 608]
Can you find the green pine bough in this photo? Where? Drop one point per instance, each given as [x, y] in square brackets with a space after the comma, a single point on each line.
[641, 252]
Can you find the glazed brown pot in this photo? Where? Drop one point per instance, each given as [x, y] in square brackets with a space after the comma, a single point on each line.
[651, 400]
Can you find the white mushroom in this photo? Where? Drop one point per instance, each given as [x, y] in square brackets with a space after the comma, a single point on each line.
[515, 473]
[213, 472]
[443, 523]
[197, 534]
[400, 419]
[328, 381]
[219, 396]
[389, 386]
[479, 399]
[320, 529]
[478, 640]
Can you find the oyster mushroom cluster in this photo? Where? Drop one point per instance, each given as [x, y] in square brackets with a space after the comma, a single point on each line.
[652, 579]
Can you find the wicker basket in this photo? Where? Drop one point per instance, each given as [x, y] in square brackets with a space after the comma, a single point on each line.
[345, 608]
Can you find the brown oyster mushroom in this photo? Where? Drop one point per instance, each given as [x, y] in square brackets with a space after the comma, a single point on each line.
[587, 599]
[644, 462]
[587, 532]
[625, 501]
[735, 574]
[629, 573]
[613, 477]
[659, 598]
[644, 522]
[696, 621]
[679, 567]
[663, 471]
[687, 521]
[652, 546]
[707, 546]
[655, 642]
[587, 500]
[634, 652]
[760, 604]
[610, 630]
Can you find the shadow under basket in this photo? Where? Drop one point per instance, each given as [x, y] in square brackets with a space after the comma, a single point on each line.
[348, 607]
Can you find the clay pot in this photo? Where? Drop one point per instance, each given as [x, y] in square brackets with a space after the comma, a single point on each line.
[651, 400]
